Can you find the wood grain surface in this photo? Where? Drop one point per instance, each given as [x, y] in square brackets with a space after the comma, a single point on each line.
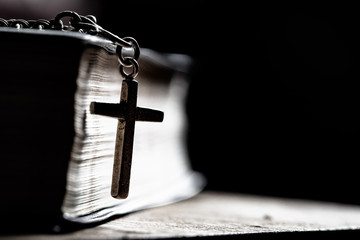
[222, 214]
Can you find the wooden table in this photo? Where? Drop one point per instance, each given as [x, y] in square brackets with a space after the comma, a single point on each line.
[235, 216]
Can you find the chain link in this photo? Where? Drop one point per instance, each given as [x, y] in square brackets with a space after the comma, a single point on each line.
[84, 24]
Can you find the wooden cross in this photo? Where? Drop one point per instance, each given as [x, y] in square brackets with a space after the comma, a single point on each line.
[127, 112]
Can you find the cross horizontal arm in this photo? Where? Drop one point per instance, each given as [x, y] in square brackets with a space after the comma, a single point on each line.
[117, 110]
[149, 115]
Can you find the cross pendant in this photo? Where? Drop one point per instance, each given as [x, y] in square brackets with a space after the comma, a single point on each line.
[127, 113]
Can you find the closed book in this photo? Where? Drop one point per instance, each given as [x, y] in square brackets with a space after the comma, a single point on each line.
[57, 157]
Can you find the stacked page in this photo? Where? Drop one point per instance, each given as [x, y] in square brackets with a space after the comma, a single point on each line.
[160, 171]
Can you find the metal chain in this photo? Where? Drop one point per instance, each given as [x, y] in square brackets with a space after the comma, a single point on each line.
[85, 24]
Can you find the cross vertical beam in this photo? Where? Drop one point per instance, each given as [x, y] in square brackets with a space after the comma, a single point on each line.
[127, 113]
[129, 91]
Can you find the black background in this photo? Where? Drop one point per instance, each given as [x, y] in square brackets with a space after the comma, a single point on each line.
[273, 102]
